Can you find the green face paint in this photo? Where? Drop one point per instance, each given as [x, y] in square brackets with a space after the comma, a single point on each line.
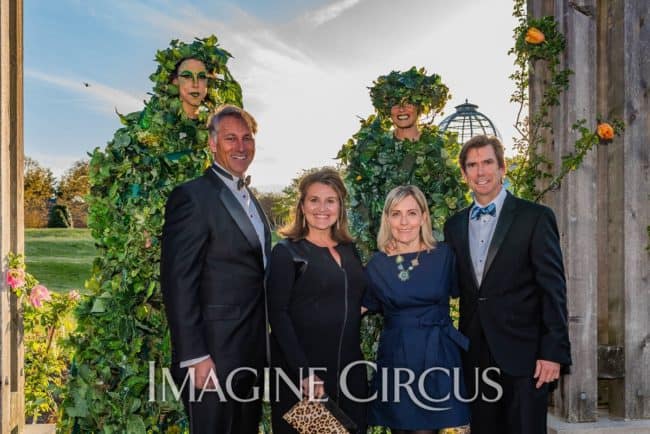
[195, 77]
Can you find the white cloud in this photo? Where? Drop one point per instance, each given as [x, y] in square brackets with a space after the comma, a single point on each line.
[329, 12]
[57, 163]
[306, 82]
[107, 99]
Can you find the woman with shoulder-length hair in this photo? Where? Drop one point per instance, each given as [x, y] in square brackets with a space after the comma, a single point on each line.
[410, 281]
[315, 287]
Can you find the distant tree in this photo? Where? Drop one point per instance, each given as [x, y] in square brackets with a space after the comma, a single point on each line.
[283, 208]
[269, 201]
[39, 184]
[72, 190]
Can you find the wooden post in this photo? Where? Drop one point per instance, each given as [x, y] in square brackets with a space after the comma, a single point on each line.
[629, 216]
[11, 212]
[578, 224]
[603, 207]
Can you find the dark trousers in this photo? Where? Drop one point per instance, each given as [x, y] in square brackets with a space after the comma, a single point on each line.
[213, 415]
[521, 409]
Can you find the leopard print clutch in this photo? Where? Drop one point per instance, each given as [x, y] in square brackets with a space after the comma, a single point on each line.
[313, 417]
[455, 430]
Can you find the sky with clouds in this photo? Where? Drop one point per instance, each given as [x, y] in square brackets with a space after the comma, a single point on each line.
[304, 66]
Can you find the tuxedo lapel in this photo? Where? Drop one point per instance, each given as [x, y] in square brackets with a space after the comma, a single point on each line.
[236, 211]
[506, 217]
[267, 228]
[241, 219]
[463, 232]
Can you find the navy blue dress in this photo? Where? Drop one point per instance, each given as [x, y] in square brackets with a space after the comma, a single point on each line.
[418, 334]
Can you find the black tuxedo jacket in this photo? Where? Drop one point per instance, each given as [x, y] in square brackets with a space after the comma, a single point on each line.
[212, 276]
[520, 305]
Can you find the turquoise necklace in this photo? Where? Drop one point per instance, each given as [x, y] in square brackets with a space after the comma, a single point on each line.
[404, 274]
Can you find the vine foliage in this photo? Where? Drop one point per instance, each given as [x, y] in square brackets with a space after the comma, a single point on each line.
[374, 162]
[122, 324]
[539, 47]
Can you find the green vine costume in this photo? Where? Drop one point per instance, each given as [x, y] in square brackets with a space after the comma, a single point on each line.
[121, 325]
[375, 162]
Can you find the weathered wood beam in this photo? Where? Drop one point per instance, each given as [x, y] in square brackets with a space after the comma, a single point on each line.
[633, 393]
[11, 211]
[578, 224]
[611, 362]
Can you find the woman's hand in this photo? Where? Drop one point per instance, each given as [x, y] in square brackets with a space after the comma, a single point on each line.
[313, 387]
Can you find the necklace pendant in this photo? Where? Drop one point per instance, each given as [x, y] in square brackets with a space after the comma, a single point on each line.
[403, 275]
[415, 262]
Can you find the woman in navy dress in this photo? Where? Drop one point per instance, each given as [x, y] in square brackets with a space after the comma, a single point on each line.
[410, 281]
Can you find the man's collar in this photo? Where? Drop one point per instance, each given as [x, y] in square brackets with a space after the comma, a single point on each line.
[223, 172]
[225, 176]
[232, 181]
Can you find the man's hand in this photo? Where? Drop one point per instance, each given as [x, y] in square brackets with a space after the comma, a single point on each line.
[546, 371]
[205, 374]
[312, 387]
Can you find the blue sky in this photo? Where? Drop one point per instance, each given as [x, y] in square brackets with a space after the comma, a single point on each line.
[304, 67]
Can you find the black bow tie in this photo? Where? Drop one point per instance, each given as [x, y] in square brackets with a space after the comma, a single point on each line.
[241, 182]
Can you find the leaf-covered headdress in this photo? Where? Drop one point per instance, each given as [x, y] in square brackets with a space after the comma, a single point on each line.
[222, 87]
[413, 86]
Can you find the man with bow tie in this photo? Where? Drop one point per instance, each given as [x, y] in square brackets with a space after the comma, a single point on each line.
[215, 245]
[512, 297]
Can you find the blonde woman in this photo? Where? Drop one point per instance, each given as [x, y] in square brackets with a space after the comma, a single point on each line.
[410, 281]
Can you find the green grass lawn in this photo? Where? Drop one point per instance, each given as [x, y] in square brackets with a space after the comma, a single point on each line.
[61, 259]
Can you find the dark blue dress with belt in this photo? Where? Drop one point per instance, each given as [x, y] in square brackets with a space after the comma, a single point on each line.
[418, 335]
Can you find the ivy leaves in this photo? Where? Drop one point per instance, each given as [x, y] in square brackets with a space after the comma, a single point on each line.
[376, 163]
[413, 86]
[122, 325]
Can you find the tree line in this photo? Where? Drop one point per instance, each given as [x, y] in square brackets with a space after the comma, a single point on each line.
[52, 202]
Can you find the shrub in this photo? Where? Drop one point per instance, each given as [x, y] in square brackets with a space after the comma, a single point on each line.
[59, 217]
[46, 322]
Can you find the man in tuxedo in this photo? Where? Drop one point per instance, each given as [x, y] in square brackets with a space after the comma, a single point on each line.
[215, 244]
[512, 297]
